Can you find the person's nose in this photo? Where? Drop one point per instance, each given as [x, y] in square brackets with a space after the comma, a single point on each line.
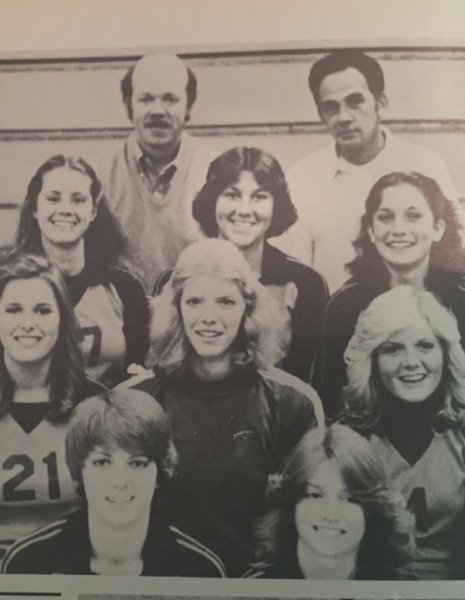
[119, 476]
[345, 114]
[411, 359]
[398, 226]
[244, 206]
[209, 313]
[65, 206]
[28, 321]
[157, 107]
[331, 509]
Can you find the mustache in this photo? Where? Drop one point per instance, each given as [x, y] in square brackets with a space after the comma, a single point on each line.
[156, 122]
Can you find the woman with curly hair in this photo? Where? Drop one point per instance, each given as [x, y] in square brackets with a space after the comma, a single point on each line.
[214, 341]
[245, 200]
[410, 234]
[406, 393]
[120, 454]
[332, 514]
[65, 217]
[41, 380]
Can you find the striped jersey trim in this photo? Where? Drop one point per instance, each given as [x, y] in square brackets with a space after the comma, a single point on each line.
[253, 574]
[188, 542]
[280, 376]
[40, 535]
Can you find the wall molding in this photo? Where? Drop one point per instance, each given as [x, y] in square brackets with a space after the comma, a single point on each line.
[220, 130]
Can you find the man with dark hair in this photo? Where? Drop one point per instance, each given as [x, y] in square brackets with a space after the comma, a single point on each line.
[152, 179]
[329, 187]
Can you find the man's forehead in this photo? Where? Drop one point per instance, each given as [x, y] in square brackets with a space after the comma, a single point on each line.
[165, 72]
[340, 84]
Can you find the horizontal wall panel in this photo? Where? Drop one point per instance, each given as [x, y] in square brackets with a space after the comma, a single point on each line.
[232, 90]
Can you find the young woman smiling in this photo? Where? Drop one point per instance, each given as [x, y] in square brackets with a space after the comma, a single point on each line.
[66, 218]
[120, 453]
[41, 380]
[332, 514]
[406, 393]
[410, 234]
[245, 200]
[213, 333]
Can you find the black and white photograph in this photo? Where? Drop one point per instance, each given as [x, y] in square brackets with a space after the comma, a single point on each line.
[232, 309]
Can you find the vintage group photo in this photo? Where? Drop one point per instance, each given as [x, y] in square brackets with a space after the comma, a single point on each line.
[232, 314]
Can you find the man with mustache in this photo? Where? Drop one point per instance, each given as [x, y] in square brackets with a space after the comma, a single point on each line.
[154, 176]
[329, 187]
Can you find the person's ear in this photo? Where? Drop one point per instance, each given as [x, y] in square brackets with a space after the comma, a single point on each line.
[382, 104]
[371, 235]
[439, 229]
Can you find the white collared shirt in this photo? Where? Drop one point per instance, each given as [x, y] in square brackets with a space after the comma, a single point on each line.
[330, 193]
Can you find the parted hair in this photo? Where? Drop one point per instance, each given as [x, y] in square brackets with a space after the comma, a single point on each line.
[388, 535]
[225, 171]
[365, 398]
[447, 253]
[343, 59]
[126, 419]
[104, 242]
[262, 335]
[126, 89]
[66, 379]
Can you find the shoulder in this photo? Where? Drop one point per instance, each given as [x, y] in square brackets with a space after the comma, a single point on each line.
[35, 553]
[353, 295]
[304, 166]
[277, 261]
[197, 557]
[124, 280]
[291, 393]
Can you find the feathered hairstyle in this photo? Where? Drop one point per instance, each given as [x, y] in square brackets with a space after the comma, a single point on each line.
[262, 336]
[388, 533]
[104, 242]
[225, 171]
[447, 253]
[364, 396]
[66, 378]
[125, 419]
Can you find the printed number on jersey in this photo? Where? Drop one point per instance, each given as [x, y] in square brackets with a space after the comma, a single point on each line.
[91, 344]
[22, 474]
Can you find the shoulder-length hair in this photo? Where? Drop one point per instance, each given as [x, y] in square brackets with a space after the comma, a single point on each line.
[447, 253]
[126, 419]
[385, 543]
[262, 336]
[225, 171]
[365, 398]
[66, 379]
[104, 242]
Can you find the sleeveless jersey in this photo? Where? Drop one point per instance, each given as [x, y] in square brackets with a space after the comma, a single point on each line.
[434, 488]
[35, 485]
[102, 341]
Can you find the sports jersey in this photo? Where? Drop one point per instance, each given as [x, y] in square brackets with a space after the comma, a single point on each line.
[434, 487]
[113, 315]
[36, 486]
[64, 547]
[230, 436]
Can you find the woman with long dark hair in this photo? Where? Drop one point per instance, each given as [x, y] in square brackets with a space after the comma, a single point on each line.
[406, 394]
[214, 341]
[332, 514]
[65, 217]
[120, 454]
[245, 200]
[41, 380]
[410, 234]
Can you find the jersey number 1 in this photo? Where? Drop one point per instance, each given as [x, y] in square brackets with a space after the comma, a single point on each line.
[417, 504]
[10, 491]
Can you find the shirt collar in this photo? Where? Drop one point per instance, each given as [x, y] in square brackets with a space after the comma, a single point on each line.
[341, 166]
[169, 169]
